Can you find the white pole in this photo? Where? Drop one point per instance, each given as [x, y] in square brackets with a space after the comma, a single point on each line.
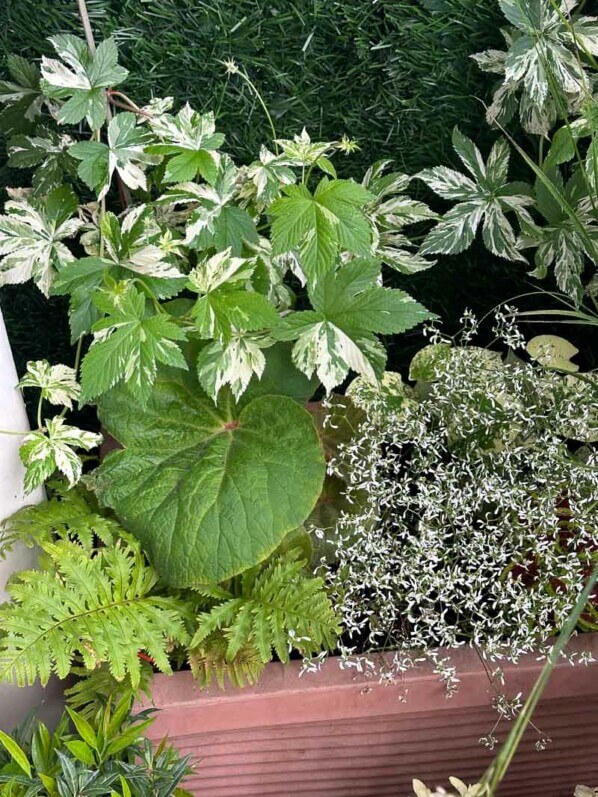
[15, 702]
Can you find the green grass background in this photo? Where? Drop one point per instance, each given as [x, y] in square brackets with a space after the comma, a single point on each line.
[394, 74]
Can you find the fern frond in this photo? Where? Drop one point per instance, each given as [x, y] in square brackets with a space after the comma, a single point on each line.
[277, 609]
[97, 608]
[209, 662]
[69, 514]
[96, 688]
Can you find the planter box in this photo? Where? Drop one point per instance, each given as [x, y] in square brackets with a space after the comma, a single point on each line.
[342, 735]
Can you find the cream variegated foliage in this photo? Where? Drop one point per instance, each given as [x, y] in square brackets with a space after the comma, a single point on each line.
[460, 788]
[53, 448]
[483, 197]
[391, 211]
[541, 59]
[57, 383]
[183, 280]
[82, 76]
[32, 235]
[233, 362]
[125, 154]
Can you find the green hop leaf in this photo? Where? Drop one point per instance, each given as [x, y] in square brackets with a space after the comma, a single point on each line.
[337, 335]
[322, 225]
[128, 345]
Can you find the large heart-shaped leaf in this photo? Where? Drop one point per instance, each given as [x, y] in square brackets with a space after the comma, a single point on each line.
[209, 491]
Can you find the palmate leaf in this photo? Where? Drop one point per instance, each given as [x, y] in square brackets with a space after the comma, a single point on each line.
[31, 238]
[224, 304]
[44, 452]
[189, 142]
[82, 77]
[390, 212]
[233, 362]
[98, 608]
[215, 222]
[274, 610]
[210, 490]
[321, 225]
[541, 61]
[338, 334]
[57, 383]
[267, 176]
[563, 242]
[124, 153]
[128, 345]
[302, 151]
[47, 153]
[484, 196]
[131, 248]
[21, 95]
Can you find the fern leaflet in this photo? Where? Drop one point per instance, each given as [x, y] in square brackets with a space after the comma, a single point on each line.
[97, 607]
[277, 608]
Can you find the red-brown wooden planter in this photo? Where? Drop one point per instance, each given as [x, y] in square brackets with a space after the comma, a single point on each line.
[342, 735]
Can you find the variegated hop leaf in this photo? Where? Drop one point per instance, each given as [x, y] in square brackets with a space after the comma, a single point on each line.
[57, 383]
[484, 197]
[302, 151]
[44, 452]
[47, 153]
[567, 240]
[215, 219]
[132, 247]
[390, 212]
[20, 94]
[541, 60]
[83, 77]
[233, 363]
[190, 142]
[31, 238]
[125, 153]
[128, 344]
[225, 304]
[264, 179]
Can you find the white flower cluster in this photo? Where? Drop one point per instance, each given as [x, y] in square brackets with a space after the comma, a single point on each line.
[474, 514]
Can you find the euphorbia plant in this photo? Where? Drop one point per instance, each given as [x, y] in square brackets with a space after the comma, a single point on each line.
[208, 303]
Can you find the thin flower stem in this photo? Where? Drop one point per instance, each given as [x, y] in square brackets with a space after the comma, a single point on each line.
[498, 769]
[14, 434]
[244, 76]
